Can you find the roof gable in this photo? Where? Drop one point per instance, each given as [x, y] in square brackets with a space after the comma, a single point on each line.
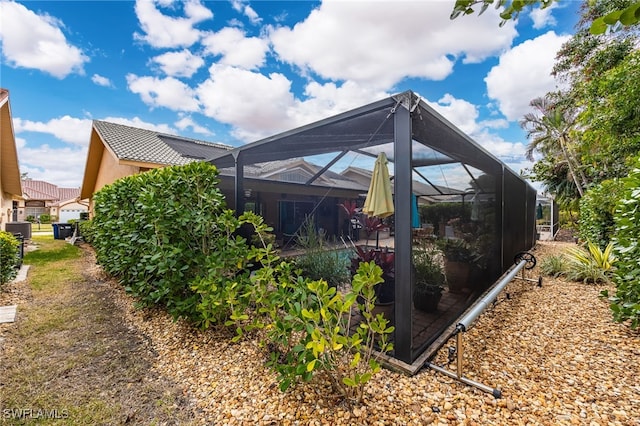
[9, 166]
[41, 190]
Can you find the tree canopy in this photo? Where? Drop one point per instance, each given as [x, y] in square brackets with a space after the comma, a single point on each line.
[625, 15]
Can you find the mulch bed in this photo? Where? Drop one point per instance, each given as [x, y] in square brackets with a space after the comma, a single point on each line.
[553, 351]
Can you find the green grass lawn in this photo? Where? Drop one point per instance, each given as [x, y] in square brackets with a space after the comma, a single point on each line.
[43, 227]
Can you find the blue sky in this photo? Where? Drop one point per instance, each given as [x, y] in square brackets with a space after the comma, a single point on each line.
[236, 71]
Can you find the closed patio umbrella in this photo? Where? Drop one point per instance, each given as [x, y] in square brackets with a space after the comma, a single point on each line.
[379, 201]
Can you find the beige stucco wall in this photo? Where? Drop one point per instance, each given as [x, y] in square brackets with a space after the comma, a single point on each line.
[110, 171]
[6, 206]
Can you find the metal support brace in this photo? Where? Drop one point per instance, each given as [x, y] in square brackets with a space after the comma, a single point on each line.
[497, 393]
[523, 261]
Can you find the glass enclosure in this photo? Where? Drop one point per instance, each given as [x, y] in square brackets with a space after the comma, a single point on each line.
[460, 218]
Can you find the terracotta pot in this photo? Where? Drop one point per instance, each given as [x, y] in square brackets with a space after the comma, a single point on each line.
[386, 309]
[457, 275]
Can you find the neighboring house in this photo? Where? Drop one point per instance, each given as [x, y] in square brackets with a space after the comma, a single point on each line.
[10, 187]
[426, 193]
[283, 192]
[116, 151]
[40, 197]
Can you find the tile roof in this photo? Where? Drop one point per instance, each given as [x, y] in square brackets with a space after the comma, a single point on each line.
[135, 144]
[131, 143]
[41, 190]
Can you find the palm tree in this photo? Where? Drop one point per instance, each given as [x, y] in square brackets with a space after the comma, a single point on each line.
[549, 129]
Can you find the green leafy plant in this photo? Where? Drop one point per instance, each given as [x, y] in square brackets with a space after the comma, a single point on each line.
[596, 212]
[168, 237]
[9, 258]
[592, 266]
[311, 330]
[385, 259]
[625, 303]
[456, 250]
[429, 280]
[319, 261]
[554, 265]
[87, 230]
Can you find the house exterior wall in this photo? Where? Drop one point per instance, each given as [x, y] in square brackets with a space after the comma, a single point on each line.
[6, 208]
[110, 171]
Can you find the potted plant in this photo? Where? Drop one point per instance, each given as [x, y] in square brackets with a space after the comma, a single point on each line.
[459, 256]
[385, 291]
[429, 280]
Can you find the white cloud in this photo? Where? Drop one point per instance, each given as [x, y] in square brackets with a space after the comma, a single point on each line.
[464, 115]
[60, 166]
[253, 103]
[66, 128]
[365, 43]
[162, 31]
[101, 81]
[325, 100]
[167, 92]
[257, 106]
[179, 64]
[240, 6]
[140, 124]
[236, 49]
[187, 122]
[37, 41]
[543, 17]
[459, 112]
[524, 73]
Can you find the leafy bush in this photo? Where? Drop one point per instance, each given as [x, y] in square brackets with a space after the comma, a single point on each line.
[9, 258]
[309, 327]
[625, 304]
[31, 218]
[592, 266]
[439, 213]
[45, 218]
[596, 212]
[167, 236]
[87, 230]
[554, 265]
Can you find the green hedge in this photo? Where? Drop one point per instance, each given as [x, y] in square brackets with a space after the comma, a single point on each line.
[164, 232]
[625, 304]
[597, 210]
[9, 257]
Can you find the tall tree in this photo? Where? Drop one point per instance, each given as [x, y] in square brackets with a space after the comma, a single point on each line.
[549, 129]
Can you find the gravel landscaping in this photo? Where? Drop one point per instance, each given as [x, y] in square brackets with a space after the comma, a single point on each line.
[554, 352]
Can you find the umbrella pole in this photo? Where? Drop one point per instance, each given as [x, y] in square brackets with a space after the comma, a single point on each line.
[377, 239]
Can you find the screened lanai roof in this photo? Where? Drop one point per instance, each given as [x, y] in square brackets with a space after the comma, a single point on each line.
[362, 130]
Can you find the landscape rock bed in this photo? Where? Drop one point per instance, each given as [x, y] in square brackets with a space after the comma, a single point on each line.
[554, 351]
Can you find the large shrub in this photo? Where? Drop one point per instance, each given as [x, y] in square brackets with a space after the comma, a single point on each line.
[597, 208]
[625, 304]
[87, 230]
[166, 232]
[9, 257]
